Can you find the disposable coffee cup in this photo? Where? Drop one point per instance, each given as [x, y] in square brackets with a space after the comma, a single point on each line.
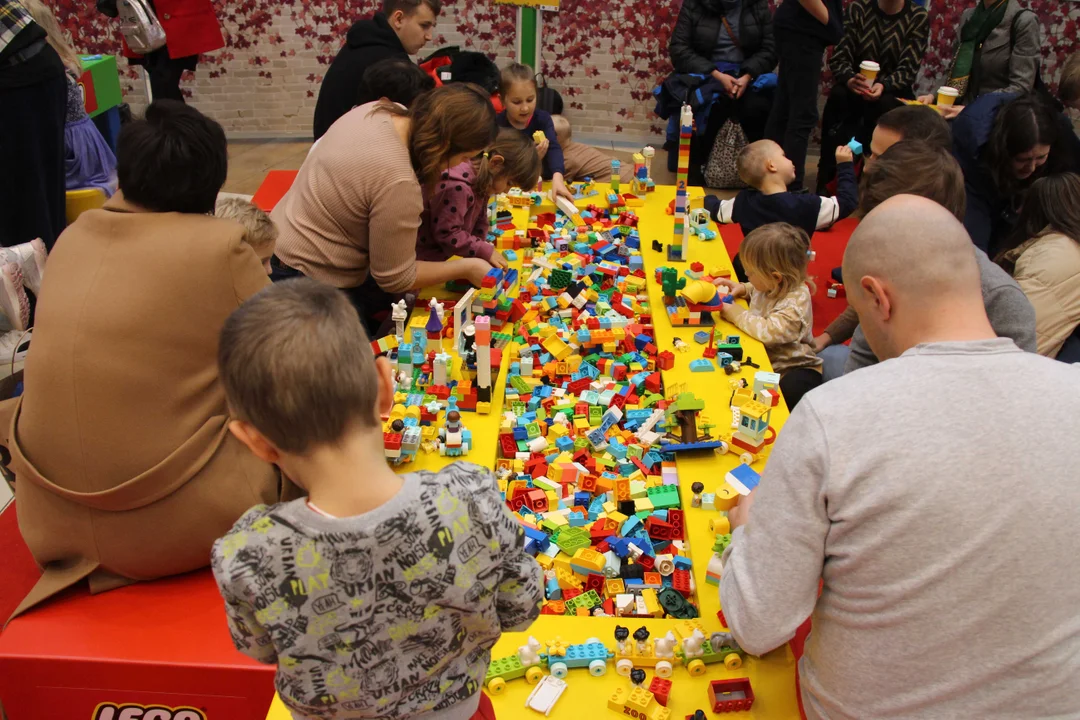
[947, 95]
[869, 69]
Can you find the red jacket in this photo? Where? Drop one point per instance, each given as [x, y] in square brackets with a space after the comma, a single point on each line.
[191, 27]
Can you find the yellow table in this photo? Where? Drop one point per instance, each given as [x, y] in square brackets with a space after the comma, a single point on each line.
[772, 676]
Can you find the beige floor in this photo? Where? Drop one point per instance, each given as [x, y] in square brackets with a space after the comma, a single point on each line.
[249, 161]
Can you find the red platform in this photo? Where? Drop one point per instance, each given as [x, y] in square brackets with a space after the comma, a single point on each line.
[273, 188]
[162, 644]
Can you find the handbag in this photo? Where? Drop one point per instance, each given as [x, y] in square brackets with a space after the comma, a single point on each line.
[721, 171]
[140, 27]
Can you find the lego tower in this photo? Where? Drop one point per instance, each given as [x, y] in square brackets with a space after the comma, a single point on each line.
[615, 167]
[677, 248]
[483, 364]
[641, 176]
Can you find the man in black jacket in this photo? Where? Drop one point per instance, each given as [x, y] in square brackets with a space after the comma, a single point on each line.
[730, 41]
[401, 29]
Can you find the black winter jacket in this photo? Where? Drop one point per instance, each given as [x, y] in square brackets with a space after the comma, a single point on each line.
[699, 24]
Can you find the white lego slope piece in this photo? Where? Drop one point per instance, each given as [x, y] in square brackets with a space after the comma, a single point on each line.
[546, 693]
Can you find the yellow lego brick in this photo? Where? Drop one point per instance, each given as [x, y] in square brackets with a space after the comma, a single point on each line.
[588, 558]
[581, 424]
[686, 628]
[636, 475]
[514, 485]
[519, 466]
[617, 700]
[568, 580]
[640, 699]
[558, 519]
[614, 587]
[643, 505]
[562, 563]
[502, 485]
[652, 605]
[553, 501]
[545, 561]
[637, 489]
[557, 431]
[610, 507]
[622, 489]
[661, 713]
[617, 517]
[726, 497]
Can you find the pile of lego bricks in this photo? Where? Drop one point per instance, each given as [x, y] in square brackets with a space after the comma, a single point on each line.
[580, 460]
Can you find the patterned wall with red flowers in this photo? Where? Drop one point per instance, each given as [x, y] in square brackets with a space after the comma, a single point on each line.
[604, 57]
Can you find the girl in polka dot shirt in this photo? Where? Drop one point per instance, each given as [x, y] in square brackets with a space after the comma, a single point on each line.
[455, 218]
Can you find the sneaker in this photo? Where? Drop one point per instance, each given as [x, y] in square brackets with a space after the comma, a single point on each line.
[30, 257]
[14, 345]
[13, 300]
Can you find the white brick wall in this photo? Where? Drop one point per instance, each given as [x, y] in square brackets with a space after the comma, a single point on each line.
[229, 88]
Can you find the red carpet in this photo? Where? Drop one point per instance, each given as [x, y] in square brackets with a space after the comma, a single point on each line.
[20, 572]
[829, 246]
[273, 188]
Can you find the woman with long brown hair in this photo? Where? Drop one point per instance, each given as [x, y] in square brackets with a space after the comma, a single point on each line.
[1043, 254]
[351, 218]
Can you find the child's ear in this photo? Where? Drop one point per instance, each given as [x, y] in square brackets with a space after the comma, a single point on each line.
[770, 166]
[385, 372]
[777, 278]
[496, 163]
[255, 441]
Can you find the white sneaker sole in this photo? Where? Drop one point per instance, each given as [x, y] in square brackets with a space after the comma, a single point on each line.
[13, 300]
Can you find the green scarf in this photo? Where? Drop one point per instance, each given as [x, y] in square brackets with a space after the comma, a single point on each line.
[987, 16]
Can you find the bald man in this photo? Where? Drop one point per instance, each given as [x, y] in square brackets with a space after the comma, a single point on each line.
[935, 496]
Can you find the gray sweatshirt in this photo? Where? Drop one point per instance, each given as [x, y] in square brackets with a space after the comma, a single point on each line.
[1010, 313]
[936, 495]
[389, 614]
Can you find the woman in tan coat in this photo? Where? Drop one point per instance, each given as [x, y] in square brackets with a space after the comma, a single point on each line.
[1045, 260]
[125, 469]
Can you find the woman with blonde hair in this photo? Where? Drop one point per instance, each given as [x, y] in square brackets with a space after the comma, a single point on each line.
[88, 161]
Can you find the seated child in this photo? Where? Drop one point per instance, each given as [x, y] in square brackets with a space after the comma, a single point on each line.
[394, 586]
[517, 90]
[260, 232]
[763, 166]
[584, 161]
[455, 220]
[775, 257]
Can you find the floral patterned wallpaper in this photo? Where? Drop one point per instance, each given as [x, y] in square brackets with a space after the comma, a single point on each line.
[604, 57]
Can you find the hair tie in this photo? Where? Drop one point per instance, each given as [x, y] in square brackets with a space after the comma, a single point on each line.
[486, 155]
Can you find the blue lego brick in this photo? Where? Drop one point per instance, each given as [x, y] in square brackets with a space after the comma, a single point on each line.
[856, 146]
[682, 563]
[701, 337]
[510, 255]
[701, 365]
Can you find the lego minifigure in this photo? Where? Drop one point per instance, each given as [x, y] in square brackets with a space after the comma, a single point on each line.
[637, 677]
[622, 634]
[680, 345]
[697, 488]
[641, 635]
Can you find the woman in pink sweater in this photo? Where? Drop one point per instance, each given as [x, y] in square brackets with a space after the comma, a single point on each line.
[455, 219]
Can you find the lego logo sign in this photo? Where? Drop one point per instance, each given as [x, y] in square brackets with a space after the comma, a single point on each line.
[127, 711]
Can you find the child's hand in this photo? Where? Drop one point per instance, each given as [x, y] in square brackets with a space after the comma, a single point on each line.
[844, 154]
[950, 111]
[542, 148]
[558, 187]
[734, 288]
[822, 341]
[475, 270]
[498, 261]
[926, 99]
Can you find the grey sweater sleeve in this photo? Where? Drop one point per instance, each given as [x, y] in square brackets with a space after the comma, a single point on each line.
[769, 581]
[861, 355]
[1011, 313]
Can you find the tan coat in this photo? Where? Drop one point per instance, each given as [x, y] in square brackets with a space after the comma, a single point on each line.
[1048, 271]
[124, 466]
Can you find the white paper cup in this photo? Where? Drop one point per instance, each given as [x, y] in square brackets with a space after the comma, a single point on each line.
[869, 69]
[947, 95]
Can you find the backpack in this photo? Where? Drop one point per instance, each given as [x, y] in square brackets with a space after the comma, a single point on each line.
[547, 99]
[140, 27]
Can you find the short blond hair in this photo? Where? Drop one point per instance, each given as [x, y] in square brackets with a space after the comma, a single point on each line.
[562, 129]
[778, 248]
[1069, 84]
[296, 363]
[751, 161]
[260, 232]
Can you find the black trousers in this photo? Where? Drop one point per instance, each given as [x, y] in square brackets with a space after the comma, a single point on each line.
[371, 301]
[751, 111]
[849, 115]
[165, 73]
[32, 183]
[794, 112]
[796, 383]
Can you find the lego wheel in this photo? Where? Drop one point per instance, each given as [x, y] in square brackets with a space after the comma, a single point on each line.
[533, 675]
[497, 686]
[598, 668]
[732, 661]
[559, 670]
[624, 666]
[663, 669]
[696, 668]
[747, 458]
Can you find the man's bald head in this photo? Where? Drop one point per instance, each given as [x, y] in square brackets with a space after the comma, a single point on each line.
[908, 262]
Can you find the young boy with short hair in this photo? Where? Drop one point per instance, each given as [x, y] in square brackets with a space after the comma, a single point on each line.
[260, 232]
[766, 169]
[378, 595]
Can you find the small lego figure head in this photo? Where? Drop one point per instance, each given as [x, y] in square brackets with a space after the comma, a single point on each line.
[641, 635]
[699, 715]
[622, 634]
[397, 426]
[637, 676]
[453, 421]
[697, 488]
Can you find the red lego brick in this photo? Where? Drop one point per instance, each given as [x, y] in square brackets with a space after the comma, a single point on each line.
[658, 529]
[595, 582]
[660, 689]
[653, 382]
[570, 593]
[587, 483]
[720, 692]
[675, 518]
[665, 360]
[602, 547]
[653, 578]
[646, 562]
[392, 441]
[508, 445]
[680, 582]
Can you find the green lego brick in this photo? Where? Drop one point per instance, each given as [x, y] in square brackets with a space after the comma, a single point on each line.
[664, 496]
[508, 668]
[572, 539]
[722, 541]
[559, 279]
